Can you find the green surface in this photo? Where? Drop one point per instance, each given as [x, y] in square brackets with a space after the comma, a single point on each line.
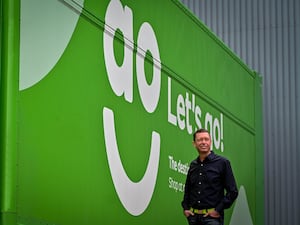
[174, 76]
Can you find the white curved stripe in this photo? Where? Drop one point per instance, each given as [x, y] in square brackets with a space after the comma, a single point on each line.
[135, 197]
[46, 28]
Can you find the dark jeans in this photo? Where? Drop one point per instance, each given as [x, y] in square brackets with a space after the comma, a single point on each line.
[201, 220]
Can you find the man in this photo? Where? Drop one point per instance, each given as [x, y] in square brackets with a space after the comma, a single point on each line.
[208, 177]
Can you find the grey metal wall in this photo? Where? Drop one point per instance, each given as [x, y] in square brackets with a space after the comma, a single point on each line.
[266, 35]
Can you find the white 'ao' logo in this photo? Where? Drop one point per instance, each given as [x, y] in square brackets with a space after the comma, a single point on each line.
[135, 196]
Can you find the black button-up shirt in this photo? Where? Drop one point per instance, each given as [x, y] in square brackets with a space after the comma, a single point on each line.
[206, 182]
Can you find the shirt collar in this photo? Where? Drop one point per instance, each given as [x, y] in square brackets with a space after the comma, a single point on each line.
[210, 157]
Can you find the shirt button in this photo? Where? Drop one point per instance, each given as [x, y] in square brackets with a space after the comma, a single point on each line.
[199, 192]
[201, 164]
[200, 183]
[199, 202]
[200, 174]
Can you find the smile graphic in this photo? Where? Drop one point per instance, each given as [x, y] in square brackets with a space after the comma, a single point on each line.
[135, 196]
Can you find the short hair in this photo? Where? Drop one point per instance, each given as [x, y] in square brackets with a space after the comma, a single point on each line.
[202, 130]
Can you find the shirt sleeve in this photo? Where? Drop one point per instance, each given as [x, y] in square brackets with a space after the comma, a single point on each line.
[230, 187]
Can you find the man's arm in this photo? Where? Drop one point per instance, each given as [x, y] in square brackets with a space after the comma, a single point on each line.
[230, 187]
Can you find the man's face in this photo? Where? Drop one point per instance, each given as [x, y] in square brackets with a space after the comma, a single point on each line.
[202, 142]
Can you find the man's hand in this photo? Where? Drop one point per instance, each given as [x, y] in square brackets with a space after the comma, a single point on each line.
[188, 213]
[213, 214]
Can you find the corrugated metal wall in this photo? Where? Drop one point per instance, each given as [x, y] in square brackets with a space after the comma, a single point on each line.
[266, 35]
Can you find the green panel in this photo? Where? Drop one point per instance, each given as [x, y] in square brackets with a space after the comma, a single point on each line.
[173, 77]
[8, 109]
[206, 64]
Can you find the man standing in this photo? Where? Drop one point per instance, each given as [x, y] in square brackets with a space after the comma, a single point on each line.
[208, 177]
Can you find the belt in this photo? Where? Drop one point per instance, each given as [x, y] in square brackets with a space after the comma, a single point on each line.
[201, 211]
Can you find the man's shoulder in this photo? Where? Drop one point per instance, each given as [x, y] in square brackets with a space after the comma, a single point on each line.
[218, 157]
[194, 163]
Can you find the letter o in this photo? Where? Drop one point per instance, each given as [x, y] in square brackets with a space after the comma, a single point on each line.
[149, 93]
[217, 130]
